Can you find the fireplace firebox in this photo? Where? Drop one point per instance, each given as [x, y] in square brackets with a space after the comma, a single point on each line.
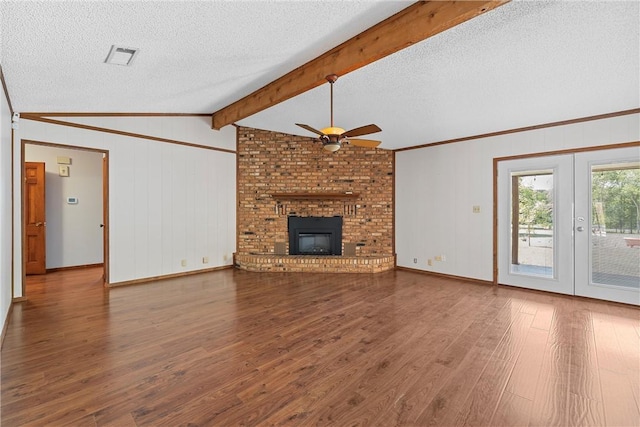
[314, 235]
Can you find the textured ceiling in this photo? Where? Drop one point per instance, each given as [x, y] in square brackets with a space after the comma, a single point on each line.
[523, 64]
[195, 56]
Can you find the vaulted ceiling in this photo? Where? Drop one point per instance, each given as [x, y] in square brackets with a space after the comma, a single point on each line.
[522, 64]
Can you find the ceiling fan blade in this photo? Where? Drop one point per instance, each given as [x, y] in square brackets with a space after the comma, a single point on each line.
[310, 129]
[369, 143]
[362, 130]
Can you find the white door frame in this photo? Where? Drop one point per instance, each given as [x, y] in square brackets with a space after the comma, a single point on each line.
[105, 203]
[561, 280]
[584, 239]
[594, 291]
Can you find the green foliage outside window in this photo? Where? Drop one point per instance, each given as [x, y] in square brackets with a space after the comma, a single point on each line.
[618, 192]
[536, 207]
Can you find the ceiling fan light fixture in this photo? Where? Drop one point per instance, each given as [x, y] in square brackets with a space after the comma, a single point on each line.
[333, 137]
[332, 146]
[331, 142]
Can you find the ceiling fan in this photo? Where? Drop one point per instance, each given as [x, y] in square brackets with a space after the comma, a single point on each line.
[332, 137]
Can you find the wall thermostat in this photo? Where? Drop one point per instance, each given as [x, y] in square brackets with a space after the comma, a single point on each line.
[72, 200]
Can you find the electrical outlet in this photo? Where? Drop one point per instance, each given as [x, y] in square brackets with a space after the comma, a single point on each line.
[443, 258]
[183, 263]
[476, 209]
[429, 262]
[205, 260]
[415, 260]
[438, 258]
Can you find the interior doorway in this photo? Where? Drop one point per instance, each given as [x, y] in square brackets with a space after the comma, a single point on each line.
[569, 223]
[77, 224]
[35, 221]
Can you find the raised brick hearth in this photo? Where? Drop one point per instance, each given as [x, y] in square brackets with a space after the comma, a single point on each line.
[281, 175]
[319, 264]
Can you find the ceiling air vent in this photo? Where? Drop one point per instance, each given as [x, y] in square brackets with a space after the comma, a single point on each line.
[121, 55]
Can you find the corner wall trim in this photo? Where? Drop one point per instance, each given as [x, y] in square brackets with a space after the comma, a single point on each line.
[6, 91]
[447, 276]
[524, 129]
[70, 114]
[74, 267]
[38, 118]
[6, 325]
[167, 276]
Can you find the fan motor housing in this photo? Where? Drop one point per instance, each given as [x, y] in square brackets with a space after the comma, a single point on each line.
[333, 131]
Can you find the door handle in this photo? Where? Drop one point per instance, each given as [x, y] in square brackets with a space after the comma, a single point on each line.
[580, 228]
[39, 224]
[101, 225]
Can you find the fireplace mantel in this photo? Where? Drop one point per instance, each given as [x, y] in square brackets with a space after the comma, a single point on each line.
[315, 196]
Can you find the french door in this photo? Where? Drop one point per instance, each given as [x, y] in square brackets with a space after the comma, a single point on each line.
[570, 224]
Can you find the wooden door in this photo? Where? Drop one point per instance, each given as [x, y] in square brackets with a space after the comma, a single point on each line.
[34, 219]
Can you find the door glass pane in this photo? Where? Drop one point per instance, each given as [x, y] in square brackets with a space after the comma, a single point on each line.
[532, 241]
[615, 218]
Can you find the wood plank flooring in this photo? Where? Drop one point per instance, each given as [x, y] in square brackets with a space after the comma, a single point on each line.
[234, 348]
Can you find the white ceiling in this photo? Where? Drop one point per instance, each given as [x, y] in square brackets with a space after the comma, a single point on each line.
[522, 64]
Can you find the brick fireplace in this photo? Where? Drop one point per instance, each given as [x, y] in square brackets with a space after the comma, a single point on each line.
[282, 176]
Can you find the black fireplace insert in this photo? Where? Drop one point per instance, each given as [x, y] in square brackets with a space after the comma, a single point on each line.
[314, 235]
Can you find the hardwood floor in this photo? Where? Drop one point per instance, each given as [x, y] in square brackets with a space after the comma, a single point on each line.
[238, 348]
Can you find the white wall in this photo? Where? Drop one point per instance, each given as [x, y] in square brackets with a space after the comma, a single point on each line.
[437, 187]
[73, 232]
[5, 209]
[167, 202]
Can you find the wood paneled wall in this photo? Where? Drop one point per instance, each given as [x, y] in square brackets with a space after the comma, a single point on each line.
[167, 202]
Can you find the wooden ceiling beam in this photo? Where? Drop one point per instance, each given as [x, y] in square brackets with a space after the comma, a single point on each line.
[407, 27]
